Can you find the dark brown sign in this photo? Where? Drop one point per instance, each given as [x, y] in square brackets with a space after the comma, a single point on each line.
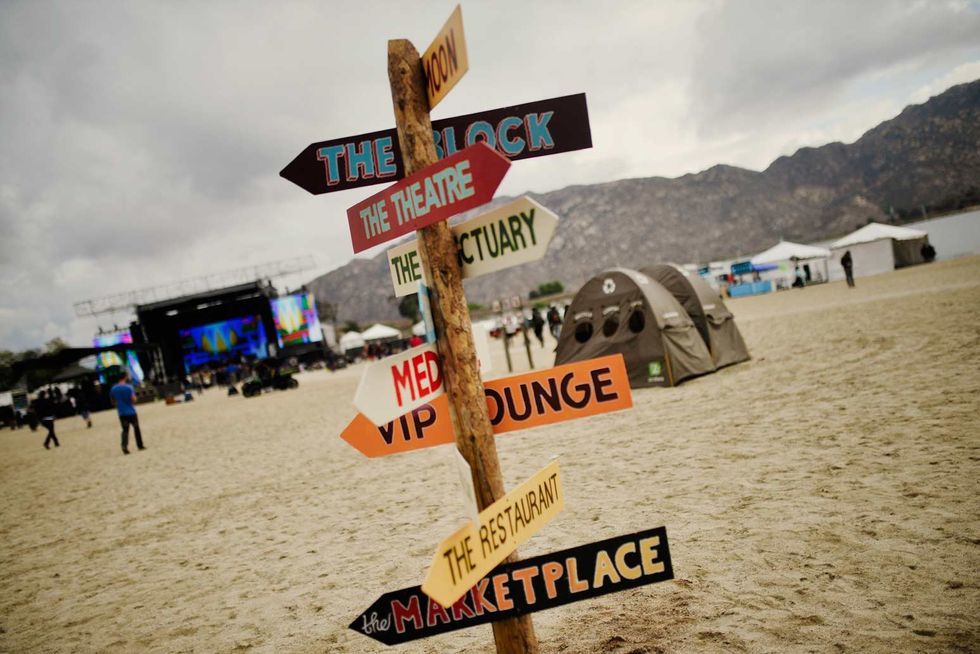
[534, 129]
[534, 584]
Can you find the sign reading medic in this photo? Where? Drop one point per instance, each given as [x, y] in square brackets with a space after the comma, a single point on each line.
[534, 584]
[541, 397]
[532, 129]
[516, 233]
[399, 384]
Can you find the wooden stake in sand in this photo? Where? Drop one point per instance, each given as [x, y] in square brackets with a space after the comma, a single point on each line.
[468, 407]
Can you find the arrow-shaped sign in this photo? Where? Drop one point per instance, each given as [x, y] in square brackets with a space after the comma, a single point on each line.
[465, 557]
[522, 131]
[452, 185]
[399, 384]
[566, 392]
[534, 584]
[515, 233]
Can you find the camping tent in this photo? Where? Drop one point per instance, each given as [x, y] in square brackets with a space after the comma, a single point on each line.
[379, 332]
[624, 311]
[714, 322]
[878, 248]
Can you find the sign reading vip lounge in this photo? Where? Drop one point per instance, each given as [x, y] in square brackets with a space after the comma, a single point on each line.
[574, 390]
[458, 183]
[399, 384]
[535, 584]
[522, 131]
[446, 61]
[516, 233]
[466, 556]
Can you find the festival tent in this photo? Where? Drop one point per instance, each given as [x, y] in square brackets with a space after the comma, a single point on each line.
[785, 255]
[351, 341]
[878, 248]
[379, 332]
[624, 311]
[714, 322]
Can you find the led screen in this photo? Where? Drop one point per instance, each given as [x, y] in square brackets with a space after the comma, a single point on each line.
[108, 359]
[223, 341]
[296, 320]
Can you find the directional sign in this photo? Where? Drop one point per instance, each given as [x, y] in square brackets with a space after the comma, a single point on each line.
[445, 61]
[516, 233]
[541, 582]
[463, 181]
[399, 384]
[522, 131]
[574, 390]
[464, 558]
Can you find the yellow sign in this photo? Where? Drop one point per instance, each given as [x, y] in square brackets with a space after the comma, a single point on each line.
[446, 61]
[472, 552]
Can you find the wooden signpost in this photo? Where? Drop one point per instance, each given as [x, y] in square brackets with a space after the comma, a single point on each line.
[469, 554]
[543, 397]
[443, 189]
[518, 232]
[534, 584]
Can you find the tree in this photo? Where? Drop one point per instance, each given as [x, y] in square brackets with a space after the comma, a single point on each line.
[409, 307]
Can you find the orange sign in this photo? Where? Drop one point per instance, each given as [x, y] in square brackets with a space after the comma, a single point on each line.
[446, 60]
[542, 397]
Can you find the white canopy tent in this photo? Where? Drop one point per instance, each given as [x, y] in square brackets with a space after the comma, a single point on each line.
[351, 340]
[876, 231]
[379, 332]
[787, 251]
[877, 248]
[786, 255]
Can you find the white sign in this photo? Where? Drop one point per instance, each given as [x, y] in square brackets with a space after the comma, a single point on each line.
[395, 385]
[516, 233]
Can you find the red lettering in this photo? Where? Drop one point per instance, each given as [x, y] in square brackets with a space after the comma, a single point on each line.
[402, 380]
[435, 372]
[435, 611]
[417, 362]
[402, 613]
[461, 609]
[480, 601]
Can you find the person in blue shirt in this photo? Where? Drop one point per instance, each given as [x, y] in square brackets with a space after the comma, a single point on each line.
[124, 398]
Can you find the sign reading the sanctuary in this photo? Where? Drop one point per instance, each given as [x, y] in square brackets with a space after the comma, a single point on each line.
[522, 131]
[463, 181]
[534, 584]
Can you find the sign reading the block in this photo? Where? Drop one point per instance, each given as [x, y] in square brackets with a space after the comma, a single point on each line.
[522, 131]
[515, 233]
[534, 584]
[445, 61]
[541, 397]
[464, 558]
[458, 183]
[399, 384]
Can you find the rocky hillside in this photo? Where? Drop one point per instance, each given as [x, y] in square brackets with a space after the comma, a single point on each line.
[926, 157]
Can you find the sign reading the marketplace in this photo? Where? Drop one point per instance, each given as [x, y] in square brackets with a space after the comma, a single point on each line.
[445, 61]
[463, 181]
[516, 233]
[535, 584]
[522, 131]
[468, 555]
[541, 397]
[399, 384]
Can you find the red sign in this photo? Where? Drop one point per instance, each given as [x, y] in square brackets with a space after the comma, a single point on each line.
[458, 183]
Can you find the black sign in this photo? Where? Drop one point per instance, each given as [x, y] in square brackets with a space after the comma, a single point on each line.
[523, 131]
[534, 584]
[742, 268]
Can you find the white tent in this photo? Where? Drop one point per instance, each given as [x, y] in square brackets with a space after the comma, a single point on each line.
[786, 255]
[787, 251]
[351, 340]
[379, 332]
[419, 328]
[878, 248]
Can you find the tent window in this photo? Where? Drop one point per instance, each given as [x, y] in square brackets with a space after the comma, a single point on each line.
[637, 321]
[610, 326]
[583, 332]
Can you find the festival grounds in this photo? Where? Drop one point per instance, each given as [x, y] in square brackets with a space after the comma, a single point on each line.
[823, 497]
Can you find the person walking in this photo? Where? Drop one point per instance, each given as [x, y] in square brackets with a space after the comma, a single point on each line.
[537, 324]
[848, 265]
[123, 396]
[554, 321]
[44, 408]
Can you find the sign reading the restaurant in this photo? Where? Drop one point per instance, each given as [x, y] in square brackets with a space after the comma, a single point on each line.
[534, 584]
[463, 181]
[522, 131]
[465, 557]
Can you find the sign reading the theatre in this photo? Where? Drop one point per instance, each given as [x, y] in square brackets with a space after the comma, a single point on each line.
[516, 233]
[534, 584]
[541, 397]
[458, 183]
[522, 131]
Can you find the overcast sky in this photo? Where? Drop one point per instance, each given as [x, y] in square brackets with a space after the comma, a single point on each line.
[140, 142]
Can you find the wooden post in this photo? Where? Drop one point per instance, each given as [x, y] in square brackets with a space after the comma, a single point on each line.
[437, 249]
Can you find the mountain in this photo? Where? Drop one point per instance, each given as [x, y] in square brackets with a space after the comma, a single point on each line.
[927, 157]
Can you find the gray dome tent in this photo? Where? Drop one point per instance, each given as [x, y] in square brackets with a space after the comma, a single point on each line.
[624, 311]
[714, 321]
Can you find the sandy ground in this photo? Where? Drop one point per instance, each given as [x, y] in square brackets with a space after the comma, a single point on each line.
[822, 497]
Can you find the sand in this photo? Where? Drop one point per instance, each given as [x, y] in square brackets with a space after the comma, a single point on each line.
[822, 497]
